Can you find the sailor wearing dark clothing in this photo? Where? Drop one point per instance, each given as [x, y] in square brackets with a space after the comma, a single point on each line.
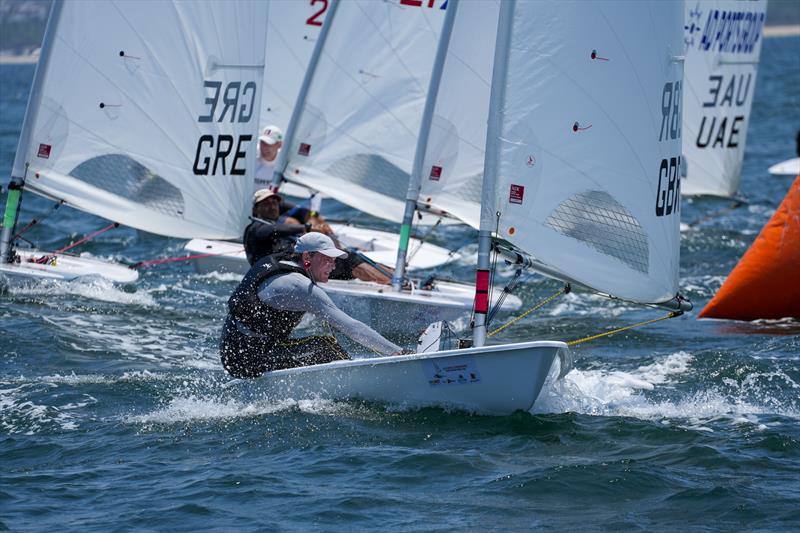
[275, 226]
[270, 302]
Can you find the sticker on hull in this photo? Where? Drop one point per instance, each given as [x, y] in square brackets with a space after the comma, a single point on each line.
[460, 370]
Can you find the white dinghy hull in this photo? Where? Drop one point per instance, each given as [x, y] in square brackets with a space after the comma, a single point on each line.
[495, 380]
[790, 167]
[65, 268]
[379, 246]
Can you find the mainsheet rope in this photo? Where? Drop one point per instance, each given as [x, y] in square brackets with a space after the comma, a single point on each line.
[87, 238]
[539, 305]
[566, 289]
[671, 314]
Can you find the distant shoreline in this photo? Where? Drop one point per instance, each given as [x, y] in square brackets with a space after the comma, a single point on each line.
[18, 60]
[789, 30]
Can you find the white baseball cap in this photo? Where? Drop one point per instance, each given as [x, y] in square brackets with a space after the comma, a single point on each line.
[263, 194]
[318, 242]
[271, 134]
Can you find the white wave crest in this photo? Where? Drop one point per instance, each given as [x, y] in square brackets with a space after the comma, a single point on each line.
[603, 392]
[19, 414]
[95, 288]
[192, 408]
[217, 276]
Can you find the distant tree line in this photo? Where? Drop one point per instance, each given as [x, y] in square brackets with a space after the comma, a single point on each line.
[23, 34]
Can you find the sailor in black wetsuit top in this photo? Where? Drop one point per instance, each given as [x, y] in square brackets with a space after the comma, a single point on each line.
[270, 302]
[275, 226]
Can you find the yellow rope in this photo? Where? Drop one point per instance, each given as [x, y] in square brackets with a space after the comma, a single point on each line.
[670, 315]
[526, 313]
[585, 339]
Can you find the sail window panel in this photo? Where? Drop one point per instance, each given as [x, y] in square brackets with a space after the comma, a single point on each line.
[120, 175]
[599, 221]
[373, 172]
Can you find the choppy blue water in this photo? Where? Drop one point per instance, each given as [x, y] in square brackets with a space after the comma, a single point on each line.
[114, 412]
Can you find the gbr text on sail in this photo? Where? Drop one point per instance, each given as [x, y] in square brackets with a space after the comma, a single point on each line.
[668, 192]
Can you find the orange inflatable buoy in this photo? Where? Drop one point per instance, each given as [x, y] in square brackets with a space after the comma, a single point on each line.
[766, 281]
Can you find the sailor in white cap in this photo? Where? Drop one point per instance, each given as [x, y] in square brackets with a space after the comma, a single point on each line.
[269, 144]
[270, 302]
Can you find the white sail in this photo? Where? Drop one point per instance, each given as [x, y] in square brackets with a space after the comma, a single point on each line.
[453, 167]
[586, 150]
[145, 113]
[292, 33]
[723, 45]
[356, 133]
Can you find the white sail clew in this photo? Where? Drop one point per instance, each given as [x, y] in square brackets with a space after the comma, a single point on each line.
[148, 127]
[292, 33]
[358, 125]
[453, 167]
[586, 163]
[723, 44]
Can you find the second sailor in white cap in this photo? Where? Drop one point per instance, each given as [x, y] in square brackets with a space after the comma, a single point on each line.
[269, 144]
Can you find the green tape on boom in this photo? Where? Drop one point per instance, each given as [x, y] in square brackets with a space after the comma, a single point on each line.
[12, 203]
[405, 235]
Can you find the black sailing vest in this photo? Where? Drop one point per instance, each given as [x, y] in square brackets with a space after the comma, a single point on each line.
[255, 248]
[245, 307]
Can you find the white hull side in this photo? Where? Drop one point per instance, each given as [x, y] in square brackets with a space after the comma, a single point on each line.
[66, 268]
[790, 167]
[496, 380]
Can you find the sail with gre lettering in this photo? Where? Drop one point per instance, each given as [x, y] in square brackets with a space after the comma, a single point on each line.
[150, 128]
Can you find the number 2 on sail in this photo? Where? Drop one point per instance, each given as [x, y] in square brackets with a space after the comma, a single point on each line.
[312, 20]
